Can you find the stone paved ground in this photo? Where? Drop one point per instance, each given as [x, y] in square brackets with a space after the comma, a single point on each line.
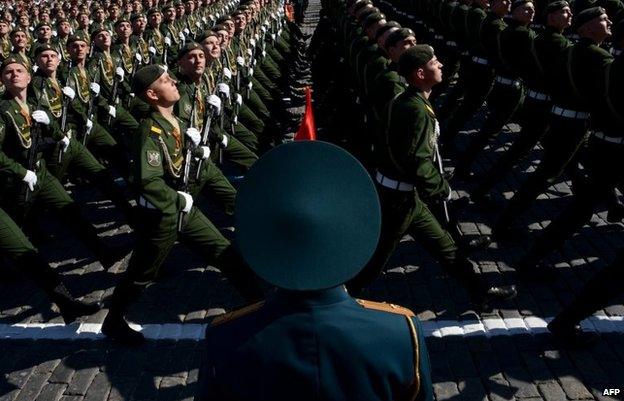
[523, 367]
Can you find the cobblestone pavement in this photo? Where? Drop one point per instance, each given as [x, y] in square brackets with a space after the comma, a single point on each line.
[522, 364]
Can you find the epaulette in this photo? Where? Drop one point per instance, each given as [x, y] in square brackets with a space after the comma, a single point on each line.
[156, 130]
[386, 307]
[228, 317]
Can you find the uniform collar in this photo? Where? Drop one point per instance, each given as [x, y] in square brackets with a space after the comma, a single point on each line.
[310, 298]
[163, 122]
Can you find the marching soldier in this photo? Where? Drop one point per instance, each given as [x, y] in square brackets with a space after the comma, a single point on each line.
[154, 37]
[163, 147]
[137, 40]
[19, 40]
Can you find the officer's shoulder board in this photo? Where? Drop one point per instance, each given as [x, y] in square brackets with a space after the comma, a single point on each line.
[414, 387]
[228, 317]
[155, 129]
[385, 307]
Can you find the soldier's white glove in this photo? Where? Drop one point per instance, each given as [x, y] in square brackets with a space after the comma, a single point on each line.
[224, 88]
[181, 36]
[54, 33]
[215, 101]
[138, 57]
[205, 20]
[89, 125]
[188, 201]
[69, 92]
[112, 111]
[239, 99]
[186, 31]
[250, 71]
[249, 85]
[198, 24]
[167, 40]
[227, 73]
[252, 42]
[249, 52]
[35, 67]
[41, 117]
[240, 61]
[193, 135]
[95, 88]
[120, 73]
[65, 143]
[152, 50]
[205, 150]
[224, 141]
[31, 179]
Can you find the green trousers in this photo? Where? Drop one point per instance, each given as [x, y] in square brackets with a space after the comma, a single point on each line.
[13, 242]
[213, 184]
[401, 213]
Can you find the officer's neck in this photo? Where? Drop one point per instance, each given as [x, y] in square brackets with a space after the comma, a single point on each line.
[21, 95]
[166, 111]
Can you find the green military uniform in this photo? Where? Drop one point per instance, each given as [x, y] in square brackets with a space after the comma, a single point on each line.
[155, 39]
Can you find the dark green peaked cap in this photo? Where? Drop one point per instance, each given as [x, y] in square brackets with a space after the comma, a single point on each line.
[145, 77]
[307, 216]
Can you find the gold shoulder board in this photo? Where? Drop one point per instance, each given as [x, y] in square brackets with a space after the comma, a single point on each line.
[228, 317]
[156, 130]
[385, 307]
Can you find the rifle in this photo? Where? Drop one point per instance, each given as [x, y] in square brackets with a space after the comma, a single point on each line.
[90, 111]
[64, 109]
[188, 159]
[113, 96]
[206, 136]
[33, 150]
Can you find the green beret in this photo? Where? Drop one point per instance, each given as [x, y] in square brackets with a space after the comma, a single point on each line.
[587, 15]
[388, 26]
[42, 24]
[12, 60]
[145, 77]
[136, 16]
[167, 6]
[16, 30]
[97, 28]
[44, 47]
[372, 19]
[415, 57]
[206, 34]
[298, 226]
[178, 3]
[152, 10]
[78, 37]
[519, 3]
[555, 6]
[60, 21]
[120, 20]
[189, 47]
[397, 36]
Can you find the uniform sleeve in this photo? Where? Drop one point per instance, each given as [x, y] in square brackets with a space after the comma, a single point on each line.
[7, 164]
[411, 147]
[426, 384]
[150, 175]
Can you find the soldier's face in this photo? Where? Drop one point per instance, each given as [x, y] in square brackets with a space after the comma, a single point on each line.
[163, 91]
[170, 14]
[224, 38]
[430, 74]
[180, 10]
[501, 7]
[78, 50]
[212, 47]
[155, 19]
[229, 24]
[64, 28]
[83, 20]
[45, 33]
[193, 63]
[24, 20]
[48, 61]
[113, 12]
[103, 40]
[19, 40]
[190, 7]
[15, 77]
[45, 17]
[123, 30]
[524, 13]
[4, 28]
[240, 22]
[139, 25]
[100, 15]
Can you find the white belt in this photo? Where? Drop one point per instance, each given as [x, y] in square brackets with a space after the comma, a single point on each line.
[393, 184]
[451, 43]
[611, 139]
[578, 115]
[507, 81]
[537, 95]
[479, 60]
[143, 202]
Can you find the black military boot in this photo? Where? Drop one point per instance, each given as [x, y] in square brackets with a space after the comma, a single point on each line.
[46, 278]
[115, 326]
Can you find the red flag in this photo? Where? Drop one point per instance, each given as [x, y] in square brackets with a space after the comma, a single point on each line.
[307, 130]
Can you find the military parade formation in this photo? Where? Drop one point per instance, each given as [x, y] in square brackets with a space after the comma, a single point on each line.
[154, 103]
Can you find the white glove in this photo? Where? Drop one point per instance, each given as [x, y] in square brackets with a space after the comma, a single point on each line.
[181, 36]
[249, 52]
[41, 117]
[263, 53]
[112, 111]
[65, 143]
[224, 141]
[95, 88]
[240, 61]
[188, 200]
[249, 85]
[227, 73]
[193, 135]
[214, 100]
[263, 28]
[31, 179]
[252, 42]
[69, 92]
[138, 57]
[205, 20]
[273, 36]
[257, 37]
[167, 40]
[35, 67]
[120, 73]
[186, 31]
[205, 152]
[54, 33]
[239, 99]
[250, 71]
[197, 24]
[152, 50]
[224, 88]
